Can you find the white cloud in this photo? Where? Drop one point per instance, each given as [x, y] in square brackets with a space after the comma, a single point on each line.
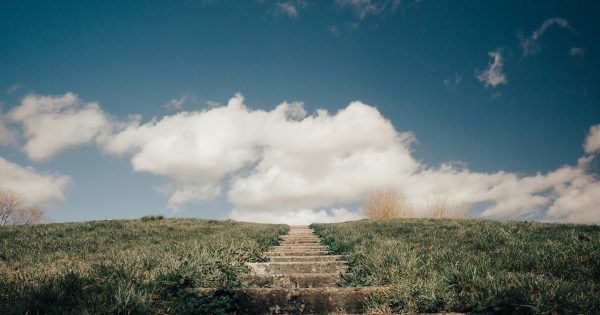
[299, 216]
[577, 51]
[361, 8]
[452, 82]
[493, 75]
[530, 45]
[54, 123]
[592, 142]
[364, 8]
[7, 136]
[13, 88]
[36, 188]
[287, 8]
[177, 103]
[284, 165]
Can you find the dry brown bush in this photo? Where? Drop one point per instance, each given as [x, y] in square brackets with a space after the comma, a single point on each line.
[13, 210]
[387, 203]
[440, 208]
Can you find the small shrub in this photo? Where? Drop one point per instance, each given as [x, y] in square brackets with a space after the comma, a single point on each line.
[152, 217]
[440, 208]
[387, 203]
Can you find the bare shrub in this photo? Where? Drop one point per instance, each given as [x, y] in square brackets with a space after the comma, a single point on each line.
[440, 208]
[387, 203]
[14, 211]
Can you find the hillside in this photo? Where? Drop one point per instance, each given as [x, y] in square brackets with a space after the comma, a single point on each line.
[151, 265]
[133, 266]
[472, 265]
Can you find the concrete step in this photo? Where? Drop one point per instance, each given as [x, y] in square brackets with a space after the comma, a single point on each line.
[298, 267]
[295, 253]
[292, 281]
[301, 301]
[300, 241]
[299, 247]
[305, 258]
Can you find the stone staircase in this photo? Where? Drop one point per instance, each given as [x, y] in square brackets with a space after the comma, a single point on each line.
[300, 278]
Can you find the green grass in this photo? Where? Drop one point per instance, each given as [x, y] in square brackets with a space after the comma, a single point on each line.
[472, 265]
[134, 267]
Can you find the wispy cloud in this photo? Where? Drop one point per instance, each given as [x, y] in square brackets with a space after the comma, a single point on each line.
[492, 75]
[13, 88]
[452, 82]
[177, 103]
[364, 8]
[577, 51]
[530, 45]
[334, 30]
[288, 9]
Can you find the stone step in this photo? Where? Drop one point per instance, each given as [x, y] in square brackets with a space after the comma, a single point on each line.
[300, 301]
[299, 247]
[298, 267]
[291, 281]
[295, 253]
[305, 258]
[300, 242]
[312, 237]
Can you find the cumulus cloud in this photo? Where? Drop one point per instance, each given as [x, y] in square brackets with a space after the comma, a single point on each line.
[54, 123]
[298, 216]
[37, 189]
[530, 45]
[592, 142]
[493, 75]
[7, 136]
[287, 165]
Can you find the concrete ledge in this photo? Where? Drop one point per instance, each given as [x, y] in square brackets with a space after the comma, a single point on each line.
[292, 281]
[298, 267]
[305, 258]
[301, 301]
[295, 253]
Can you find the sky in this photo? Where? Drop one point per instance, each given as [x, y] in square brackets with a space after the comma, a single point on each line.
[294, 110]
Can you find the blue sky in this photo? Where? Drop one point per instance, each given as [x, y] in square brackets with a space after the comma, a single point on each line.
[419, 63]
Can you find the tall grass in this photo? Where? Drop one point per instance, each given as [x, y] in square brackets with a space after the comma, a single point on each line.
[387, 203]
[139, 266]
[472, 265]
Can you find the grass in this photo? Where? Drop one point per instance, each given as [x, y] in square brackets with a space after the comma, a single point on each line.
[472, 265]
[134, 267]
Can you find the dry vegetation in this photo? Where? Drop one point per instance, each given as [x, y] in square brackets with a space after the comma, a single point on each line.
[14, 211]
[391, 203]
[387, 203]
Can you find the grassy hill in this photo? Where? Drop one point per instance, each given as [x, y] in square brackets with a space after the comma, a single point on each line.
[148, 266]
[472, 265]
[135, 266]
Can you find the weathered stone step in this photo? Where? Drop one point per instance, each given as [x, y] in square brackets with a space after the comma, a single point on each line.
[305, 258]
[291, 281]
[298, 267]
[303, 238]
[312, 237]
[301, 241]
[299, 247]
[301, 301]
[295, 253]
